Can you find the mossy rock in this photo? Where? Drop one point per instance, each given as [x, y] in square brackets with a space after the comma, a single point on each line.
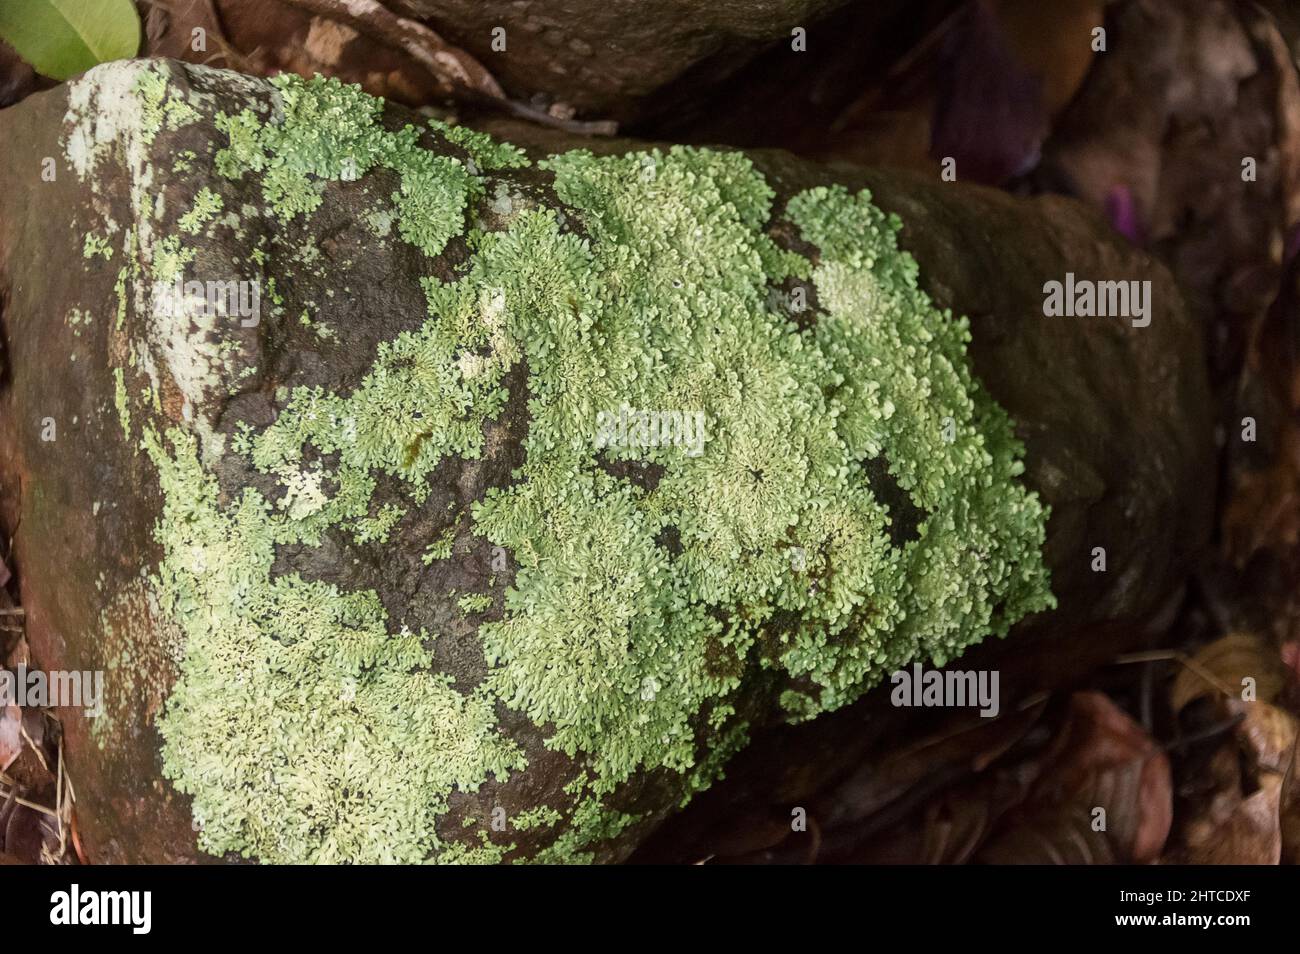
[387, 564]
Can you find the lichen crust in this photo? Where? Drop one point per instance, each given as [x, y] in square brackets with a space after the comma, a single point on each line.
[853, 503]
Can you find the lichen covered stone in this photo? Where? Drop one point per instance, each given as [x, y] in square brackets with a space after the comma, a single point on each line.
[849, 503]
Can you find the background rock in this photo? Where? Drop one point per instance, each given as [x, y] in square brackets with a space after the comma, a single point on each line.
[601, 57]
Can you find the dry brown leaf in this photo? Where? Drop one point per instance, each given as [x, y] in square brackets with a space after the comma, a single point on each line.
[1219, 668]
[1267, 732]
[1100, 759]
[1270, 735]
[1250, 836]
[1247, 814]
[451, 65]
[1162, 128]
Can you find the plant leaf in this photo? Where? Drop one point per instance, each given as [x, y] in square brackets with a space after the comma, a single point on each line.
[61, 38]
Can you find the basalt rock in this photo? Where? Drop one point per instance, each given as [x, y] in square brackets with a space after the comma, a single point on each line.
[566, 51]
[427, 498]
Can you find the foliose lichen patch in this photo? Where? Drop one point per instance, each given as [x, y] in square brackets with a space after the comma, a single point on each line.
[308, 727]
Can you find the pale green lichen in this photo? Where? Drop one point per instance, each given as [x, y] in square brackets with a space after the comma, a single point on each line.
[541, 816]
[170, 256]
[488, 154]
[305, 730]
[377, 528]
[207, 204]
[474, 603]
[589, 824]
[338, 726]
[97, 245]
[486, 852]
[78, 319]
[123, 275]
[322, 331]
[328, 131]
[161, 104]
[440, 549]
[121, 401]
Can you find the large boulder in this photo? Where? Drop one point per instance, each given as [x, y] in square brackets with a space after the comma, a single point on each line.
[605, 56]
[423, 497]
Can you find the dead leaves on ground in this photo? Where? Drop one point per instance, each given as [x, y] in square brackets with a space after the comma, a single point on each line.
[1102, 793]
[1191, 145]
[1048, 784]
[272, 36]
[1227, 667]
[1207, 774]
[1066, 780]
[1237, 784]
[982, 88]
[37, 824]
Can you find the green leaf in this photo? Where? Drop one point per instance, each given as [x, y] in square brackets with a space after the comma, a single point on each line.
[61, 38]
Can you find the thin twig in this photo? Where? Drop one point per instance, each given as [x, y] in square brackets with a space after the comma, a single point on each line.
[228, 51]
[583, 127]
[59, 805]
[12, 796]
[23, 729]
[1159, 655]
[32, 805]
